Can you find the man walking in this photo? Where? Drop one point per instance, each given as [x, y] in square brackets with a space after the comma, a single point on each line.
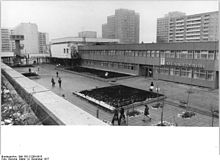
[53, 82]
[122, 115]
[146, 113]
[115, 117]
[59, 81]
[57, 74]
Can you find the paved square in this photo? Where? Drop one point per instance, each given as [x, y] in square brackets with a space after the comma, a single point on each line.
[201, 98]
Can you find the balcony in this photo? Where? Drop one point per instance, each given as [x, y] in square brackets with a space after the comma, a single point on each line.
[193, 19]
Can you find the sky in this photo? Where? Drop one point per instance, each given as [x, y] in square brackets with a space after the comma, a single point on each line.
[67, 18]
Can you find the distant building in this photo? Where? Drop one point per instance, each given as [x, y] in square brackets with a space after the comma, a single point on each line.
[43, 42]
[30, 32]
[124, 25]
[63, 50]
[7, 45]
[88, 34]
[177, 27]
[35, 44]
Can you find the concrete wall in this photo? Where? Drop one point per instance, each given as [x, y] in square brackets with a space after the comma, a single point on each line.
[50, 108]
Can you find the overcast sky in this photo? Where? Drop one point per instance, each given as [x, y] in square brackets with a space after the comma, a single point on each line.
[67, 18]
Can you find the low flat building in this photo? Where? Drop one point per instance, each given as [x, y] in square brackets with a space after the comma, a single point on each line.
[61, 47]
[194, 63]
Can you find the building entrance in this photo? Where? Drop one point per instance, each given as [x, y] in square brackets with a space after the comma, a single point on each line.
[146, 70]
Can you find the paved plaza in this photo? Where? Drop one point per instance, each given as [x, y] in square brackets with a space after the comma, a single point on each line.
[201, 98]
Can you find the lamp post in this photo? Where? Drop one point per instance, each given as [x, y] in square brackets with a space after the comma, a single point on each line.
[161, 118]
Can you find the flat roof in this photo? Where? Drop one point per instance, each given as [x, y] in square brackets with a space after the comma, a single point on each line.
[80, 39]
[212, 45]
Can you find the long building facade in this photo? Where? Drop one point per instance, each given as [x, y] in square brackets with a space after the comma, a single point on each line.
[124, 25]
[177, 27]
[194, 63]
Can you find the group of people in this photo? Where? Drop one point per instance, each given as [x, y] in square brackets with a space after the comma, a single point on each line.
[59, 80]
[118, 118]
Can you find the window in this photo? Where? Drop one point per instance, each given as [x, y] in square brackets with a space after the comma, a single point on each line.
[64, 50]
[167, 54]
[152, 54]
[211, 55]
[210, 75]
[67, 50]
[197, 54]
[190, 55]
[172, 54]
[177, 54]
[177, 71]
[200, 74]
[204, 54]
[183, 55]
[171, 71]
[164, 70]
[157, 54]
[162, 54]
[186, 72]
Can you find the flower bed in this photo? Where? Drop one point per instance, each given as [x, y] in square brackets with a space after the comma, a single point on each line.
[31, 75]
[22, 65]
[14, 111]
[119, 95]
[96, 72]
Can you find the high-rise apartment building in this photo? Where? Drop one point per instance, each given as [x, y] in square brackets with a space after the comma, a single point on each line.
[177, 27]
[7, 45]
[5, 40]
[43, 42]
[31, 41]
[88, 34]
[124, 25]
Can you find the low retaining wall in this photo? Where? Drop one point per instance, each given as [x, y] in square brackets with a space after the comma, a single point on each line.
[50, 108]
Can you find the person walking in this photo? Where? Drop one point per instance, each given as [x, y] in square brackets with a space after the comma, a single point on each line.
[122, 115]
[146, 113]
[29, 70]
[57, 74]
[115, 117]
[151, 86]
[59, 81]
[53, 82]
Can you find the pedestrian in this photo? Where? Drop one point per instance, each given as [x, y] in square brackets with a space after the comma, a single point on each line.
[122, 115]
[38, 68]
[63, 95]
[151, 87]
[29, 70]
[115, 117]
[146, 113]
[53, 82]
[59, 81]
[57, 74]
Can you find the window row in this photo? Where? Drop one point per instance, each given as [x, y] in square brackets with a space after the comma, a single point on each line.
[66, 50]
[187, 72]
[210, 55]
[111, 64]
